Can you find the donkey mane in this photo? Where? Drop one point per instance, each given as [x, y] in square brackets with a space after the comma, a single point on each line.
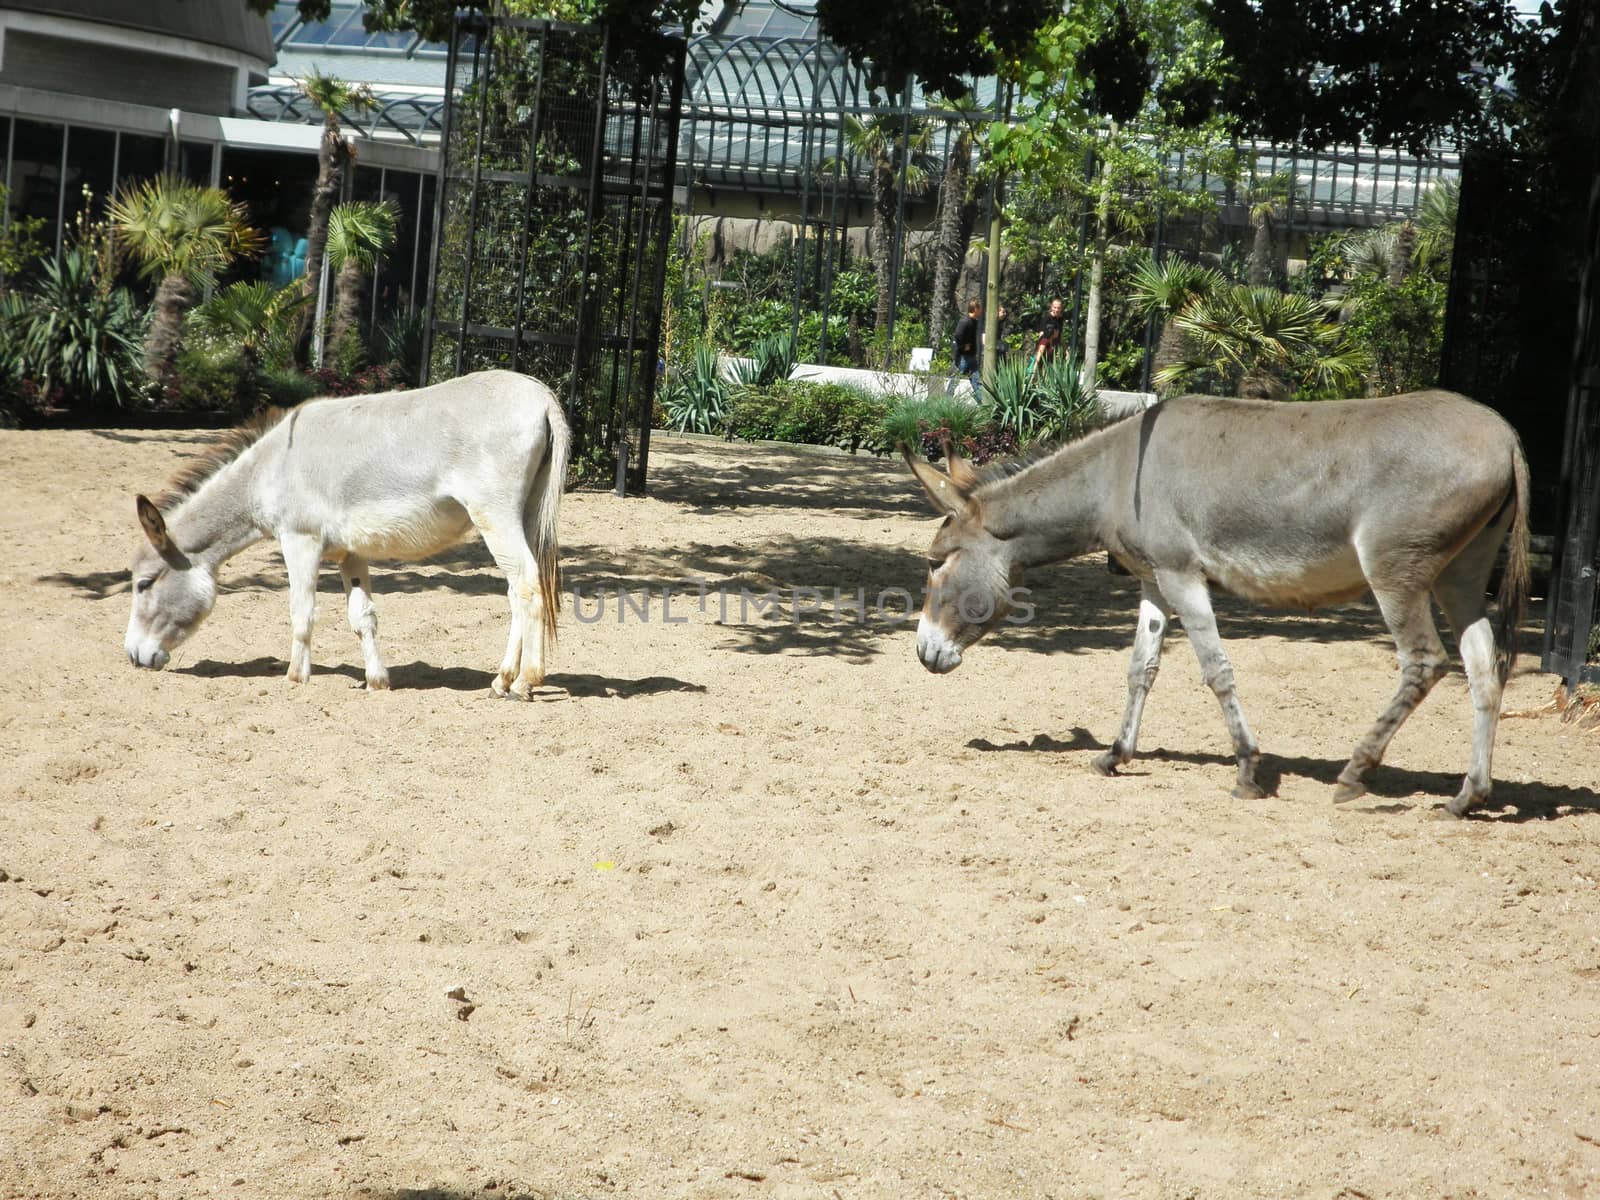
[233, 442]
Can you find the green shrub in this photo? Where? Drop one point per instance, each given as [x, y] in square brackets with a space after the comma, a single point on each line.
[205, 379]
[817, 414]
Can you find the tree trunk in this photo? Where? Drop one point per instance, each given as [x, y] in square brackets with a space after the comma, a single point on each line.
[1262, 382]
[991, 289]
[331, 156]
[348, 303]
[1405, 249]
[330, 163]
[1097, 274]
[951, 249]
[173, 298]
[1169, 352]
[1260, 269]
[884, 199]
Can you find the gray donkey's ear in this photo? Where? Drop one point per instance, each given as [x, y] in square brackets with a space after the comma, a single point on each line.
[947, 495]
[155, 526]
[960, 470]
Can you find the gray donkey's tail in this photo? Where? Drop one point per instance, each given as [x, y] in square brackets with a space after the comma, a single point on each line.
[1513, 595]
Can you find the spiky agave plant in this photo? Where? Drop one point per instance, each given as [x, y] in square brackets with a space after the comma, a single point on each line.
[74, 337]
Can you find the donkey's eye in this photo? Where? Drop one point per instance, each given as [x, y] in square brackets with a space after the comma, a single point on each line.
[935, 563]
[143, 585]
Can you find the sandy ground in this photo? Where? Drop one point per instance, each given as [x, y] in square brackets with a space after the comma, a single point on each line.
[755, 908]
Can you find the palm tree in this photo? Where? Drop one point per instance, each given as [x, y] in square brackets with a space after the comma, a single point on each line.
[184, 235]
[1436, 227]
[334, 98]
[954, 220]
[1163, 290]
[877, 141]
[1371, 252]
[1269, 198]
[1259, 340]
[252, 316]
[358, 234]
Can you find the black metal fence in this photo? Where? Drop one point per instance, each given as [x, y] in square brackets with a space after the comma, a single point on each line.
[1572, 634]
[1517, 282]
[555, 194]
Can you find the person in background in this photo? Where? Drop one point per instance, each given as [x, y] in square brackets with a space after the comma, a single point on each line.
[966, 342]
[1047, 342]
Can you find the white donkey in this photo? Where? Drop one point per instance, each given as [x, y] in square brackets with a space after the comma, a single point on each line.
[400, 475]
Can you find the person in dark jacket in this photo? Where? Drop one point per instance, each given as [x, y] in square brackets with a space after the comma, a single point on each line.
[967, 346]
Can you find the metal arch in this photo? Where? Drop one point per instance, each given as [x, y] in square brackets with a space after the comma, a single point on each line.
[285, 103]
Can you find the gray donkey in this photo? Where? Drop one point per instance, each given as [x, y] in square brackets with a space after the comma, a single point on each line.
[1296, 505]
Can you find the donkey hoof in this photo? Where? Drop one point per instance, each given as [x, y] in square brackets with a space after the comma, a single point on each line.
[1248, 790]
[1344, 791]
[1106, 764]
[1464, 802]
[378, 683]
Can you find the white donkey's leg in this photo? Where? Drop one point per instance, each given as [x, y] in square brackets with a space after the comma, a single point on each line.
[357, 577]
[502, 533]
[302, 554]
[1146, 661]
[1423, 663]
[1191, 601]
[1465, 608]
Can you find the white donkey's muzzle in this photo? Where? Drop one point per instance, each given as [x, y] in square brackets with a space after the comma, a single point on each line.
[937, 652]
[147, 654]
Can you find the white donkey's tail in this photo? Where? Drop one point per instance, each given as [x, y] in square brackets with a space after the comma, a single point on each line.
[548, 484]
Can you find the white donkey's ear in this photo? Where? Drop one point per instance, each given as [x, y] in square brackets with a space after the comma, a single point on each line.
[946, 494]
[155, 526]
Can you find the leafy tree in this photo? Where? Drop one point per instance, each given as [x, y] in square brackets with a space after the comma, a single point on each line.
[19, 240]
[894, 152]
[183, 235]
[941, 42]
[1382, 72]
[1113, 83]
[954, 219]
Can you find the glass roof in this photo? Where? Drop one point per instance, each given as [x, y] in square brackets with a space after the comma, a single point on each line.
[343, 32]
[764, 100]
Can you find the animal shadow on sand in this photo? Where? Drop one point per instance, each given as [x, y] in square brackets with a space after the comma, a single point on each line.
[421, 676]
[1390, 789]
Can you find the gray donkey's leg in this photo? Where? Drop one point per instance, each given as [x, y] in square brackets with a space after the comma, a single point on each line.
[1142, 668]
[1465, 608]
[1423, 663]
[1191, 601]
[357, 577]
